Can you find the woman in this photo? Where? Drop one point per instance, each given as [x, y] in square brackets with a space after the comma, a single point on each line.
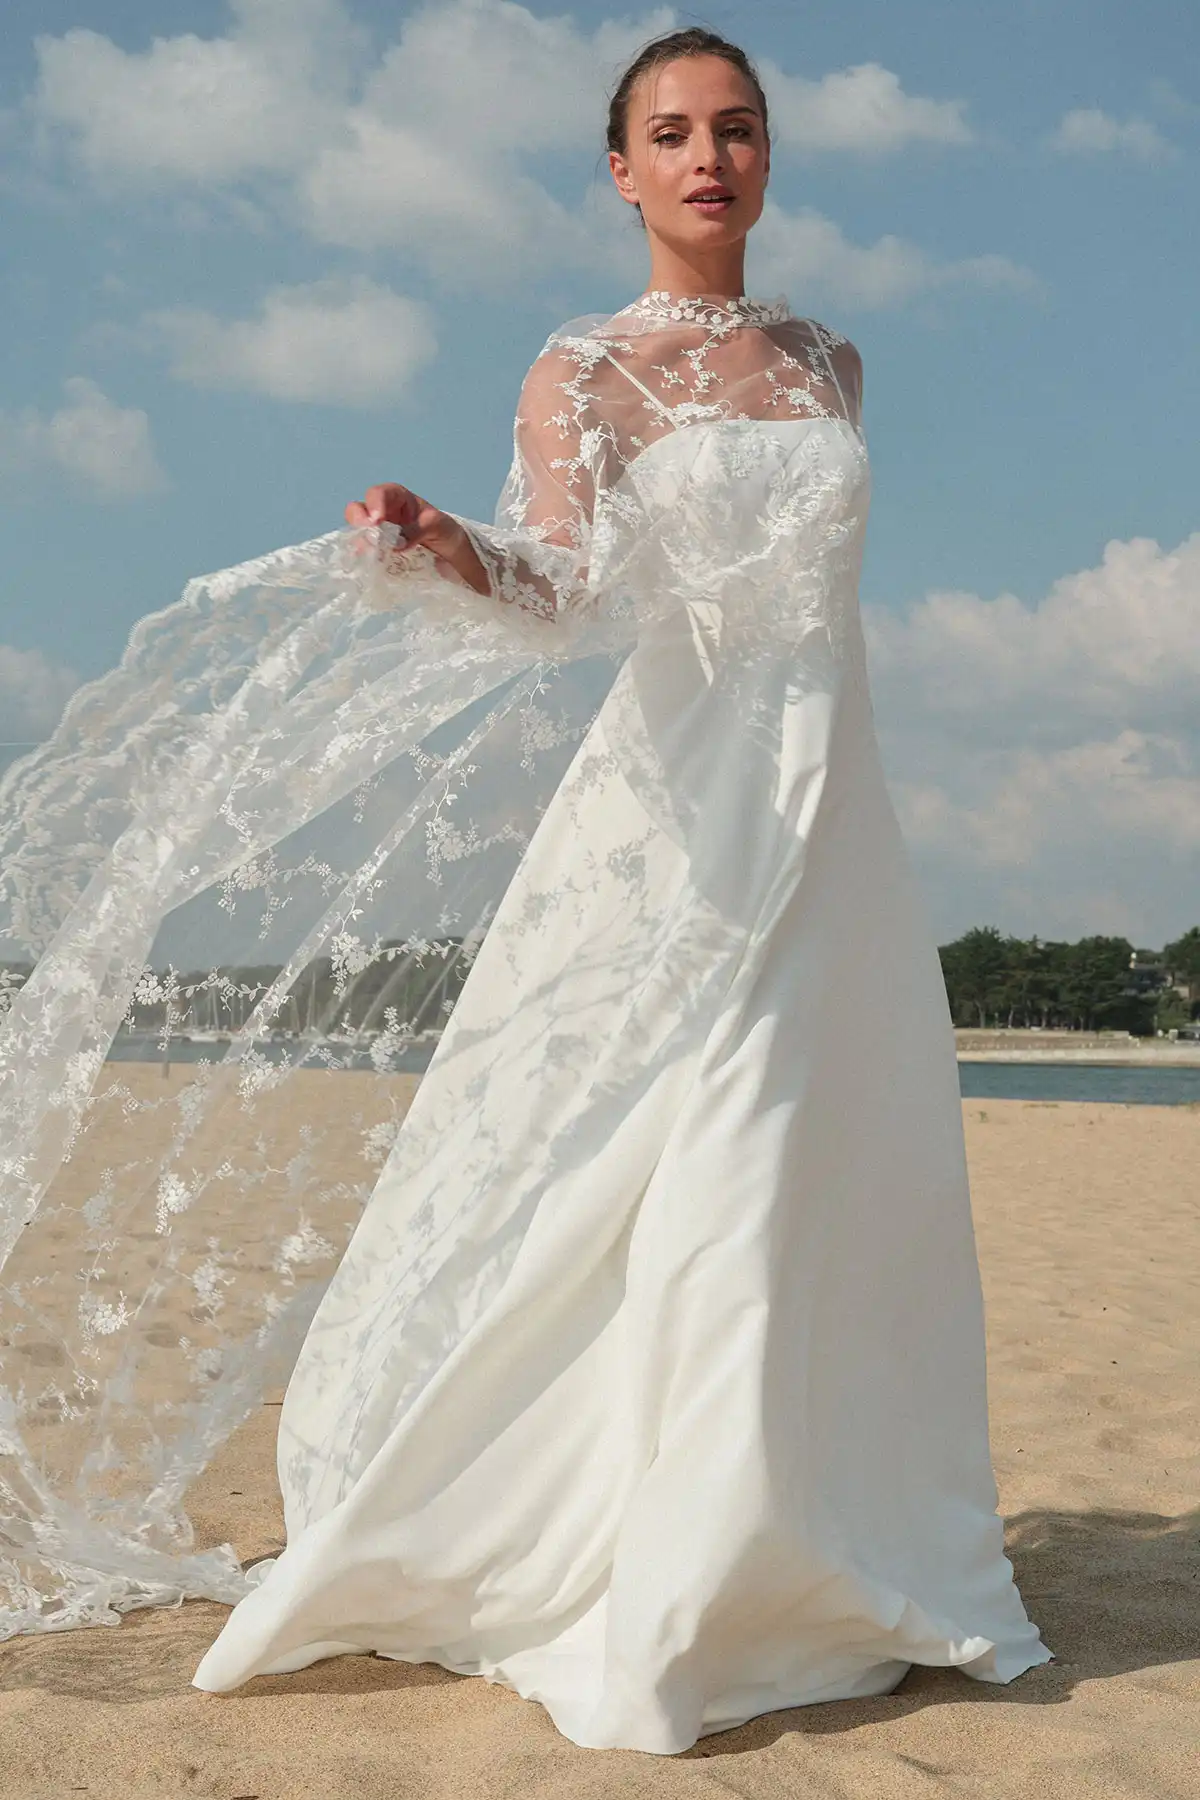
[651, 1383]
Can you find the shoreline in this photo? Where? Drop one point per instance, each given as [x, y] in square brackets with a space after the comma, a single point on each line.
[1082, 1049]
[1093, 1059]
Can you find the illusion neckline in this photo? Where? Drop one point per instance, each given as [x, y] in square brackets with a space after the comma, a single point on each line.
[660, 307]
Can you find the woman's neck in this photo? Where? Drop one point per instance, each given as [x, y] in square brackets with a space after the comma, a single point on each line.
[720, 274]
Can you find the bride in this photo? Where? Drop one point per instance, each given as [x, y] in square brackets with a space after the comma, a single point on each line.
[650, 1381]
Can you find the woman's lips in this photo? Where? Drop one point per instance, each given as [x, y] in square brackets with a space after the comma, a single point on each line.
[713, 203]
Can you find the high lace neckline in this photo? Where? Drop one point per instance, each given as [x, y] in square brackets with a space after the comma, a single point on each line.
[658, 307]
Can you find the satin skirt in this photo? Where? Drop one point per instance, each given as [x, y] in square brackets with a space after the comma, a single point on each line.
[684, 1418]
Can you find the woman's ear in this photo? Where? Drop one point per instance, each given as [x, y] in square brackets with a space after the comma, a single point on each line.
[623, 177]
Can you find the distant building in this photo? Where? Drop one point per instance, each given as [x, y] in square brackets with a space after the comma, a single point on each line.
[1148, 973]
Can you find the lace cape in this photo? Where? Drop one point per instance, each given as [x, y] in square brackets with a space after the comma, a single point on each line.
[246, 879]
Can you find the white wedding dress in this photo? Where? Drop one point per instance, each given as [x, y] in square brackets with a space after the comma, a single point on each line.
[651, 1383]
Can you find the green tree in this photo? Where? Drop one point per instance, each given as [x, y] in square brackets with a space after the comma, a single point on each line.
[1029, 987]
[1183, 959]
[974, 968]
[1097, 988]
[1087, 986]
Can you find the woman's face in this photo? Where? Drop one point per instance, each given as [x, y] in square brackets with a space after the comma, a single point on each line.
[696, 155]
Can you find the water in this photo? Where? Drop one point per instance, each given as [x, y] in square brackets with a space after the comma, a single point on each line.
[1153, 1086]
[135, 1046]
[1161, 1086]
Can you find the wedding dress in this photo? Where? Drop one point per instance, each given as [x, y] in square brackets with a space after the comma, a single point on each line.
[651, 1380]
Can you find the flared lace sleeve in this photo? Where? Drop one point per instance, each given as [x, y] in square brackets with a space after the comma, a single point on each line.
[537, 552]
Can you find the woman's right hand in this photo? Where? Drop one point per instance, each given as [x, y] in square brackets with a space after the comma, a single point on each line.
[420, 523]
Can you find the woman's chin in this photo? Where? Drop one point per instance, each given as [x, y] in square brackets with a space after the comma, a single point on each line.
[709, 227]
[693, 234]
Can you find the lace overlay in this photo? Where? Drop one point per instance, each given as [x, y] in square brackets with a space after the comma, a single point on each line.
[249, 876]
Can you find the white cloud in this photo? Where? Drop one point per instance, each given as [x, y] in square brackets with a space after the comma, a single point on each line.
[106, 451]
[425, 151]
[496, 73]
[1088, 131]
[200, 110]
[863, 109]
[434, 157]
[806, 253]
[389, 187]
[343, 343]
[1046, 760]
[1167, 99]
[33, 691]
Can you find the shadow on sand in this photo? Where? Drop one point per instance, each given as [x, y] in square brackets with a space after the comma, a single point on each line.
[1112, 1592]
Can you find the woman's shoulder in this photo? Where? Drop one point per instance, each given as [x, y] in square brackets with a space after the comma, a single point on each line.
[833, 341]
[573, 360]
[841, 352]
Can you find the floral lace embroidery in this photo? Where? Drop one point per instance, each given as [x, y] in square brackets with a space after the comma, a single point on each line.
[658, 307]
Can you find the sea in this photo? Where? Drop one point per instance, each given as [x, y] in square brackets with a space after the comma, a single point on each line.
[1054, 1082]
[135, 1046]
[1161, 1085]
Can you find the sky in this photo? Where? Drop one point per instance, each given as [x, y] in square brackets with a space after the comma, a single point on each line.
[261, 254]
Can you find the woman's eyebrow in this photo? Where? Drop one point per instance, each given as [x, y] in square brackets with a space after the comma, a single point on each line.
[676, 118]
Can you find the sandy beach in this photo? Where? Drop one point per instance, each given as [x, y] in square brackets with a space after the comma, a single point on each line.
[1088, 1221]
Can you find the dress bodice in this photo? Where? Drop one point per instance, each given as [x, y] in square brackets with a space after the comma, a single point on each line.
[735, 481]
[761, 519]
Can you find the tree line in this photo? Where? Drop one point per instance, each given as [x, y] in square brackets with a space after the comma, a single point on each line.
[396, 987]
[1095, 984]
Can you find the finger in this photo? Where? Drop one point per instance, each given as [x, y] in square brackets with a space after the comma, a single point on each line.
[377, 501]
[357, 514]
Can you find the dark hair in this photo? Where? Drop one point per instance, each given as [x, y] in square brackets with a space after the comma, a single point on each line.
[695, 41]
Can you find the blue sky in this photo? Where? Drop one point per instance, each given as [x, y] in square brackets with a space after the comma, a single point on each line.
[260, 255]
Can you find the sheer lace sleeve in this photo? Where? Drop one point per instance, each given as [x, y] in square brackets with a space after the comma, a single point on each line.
[537, 552]
[845, 365]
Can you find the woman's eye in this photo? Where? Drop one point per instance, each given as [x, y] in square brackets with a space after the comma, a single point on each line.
[669, 137]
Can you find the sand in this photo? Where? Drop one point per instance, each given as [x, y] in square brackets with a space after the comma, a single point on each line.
[1088, 1221]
